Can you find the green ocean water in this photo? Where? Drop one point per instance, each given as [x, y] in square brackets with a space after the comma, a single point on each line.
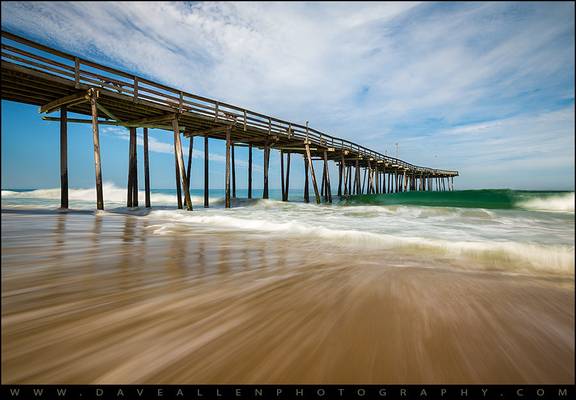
[503, 199]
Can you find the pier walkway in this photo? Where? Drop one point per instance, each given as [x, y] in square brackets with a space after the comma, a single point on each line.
[53, 80]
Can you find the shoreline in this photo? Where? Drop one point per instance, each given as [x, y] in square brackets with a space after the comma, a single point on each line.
[104, 300]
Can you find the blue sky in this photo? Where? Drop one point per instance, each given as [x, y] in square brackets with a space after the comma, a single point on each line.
[484, 88]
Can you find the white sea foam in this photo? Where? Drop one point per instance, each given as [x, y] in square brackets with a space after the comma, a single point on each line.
[561, 202]
[112, 194]
[492, 253]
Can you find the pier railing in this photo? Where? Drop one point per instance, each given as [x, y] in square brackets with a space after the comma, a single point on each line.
[21, 52]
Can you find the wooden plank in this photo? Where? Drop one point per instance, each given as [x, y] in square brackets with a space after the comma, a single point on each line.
[96, 139]
[146, 170]
[108, 112]
[181, 166]
[63, 157]
[149, 120]
[189, 167]
[66, 100]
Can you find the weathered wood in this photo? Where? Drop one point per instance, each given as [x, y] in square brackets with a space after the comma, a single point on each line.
[129, 202]
[282, 174]
[340, 169]
[323, 185]
[311, 166]
[364, 182]
[63, 157]
[177, 169]
[287, 176]
[266, 161]
[189, 166]
[107, 112]
[327, 173]
[233, 170]
[206, 194]
[150, 120]
[250, 171]
[66, 100]
[227, 184]
[306, 186]
[146, 170]
[181, 166]
[96, 139]
[135, 168]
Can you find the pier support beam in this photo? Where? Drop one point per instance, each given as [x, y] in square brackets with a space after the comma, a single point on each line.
[287, 175]
[328, 189]
[189, 166]
[134, 168]
[177, 173]
[146, 170]
[63, 157]
[250, 171]
[206, 153]
[311, 166]
[266, 164]
[180, 159]
[93, 94]
[282, 172]
[228, 168]
[306, 186]
[340, 170]
[233, 172]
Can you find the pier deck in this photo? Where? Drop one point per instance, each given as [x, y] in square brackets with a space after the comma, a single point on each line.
[36, 74]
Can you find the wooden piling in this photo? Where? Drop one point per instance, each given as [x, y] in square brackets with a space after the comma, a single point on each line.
[134, 168]
[189, 166]
[63, 157]
[146, 170]
[250, 171]
[311, 166]
[306, 186]
[287, 175]
[340, 168]
[177, 172]
[130, 193]
[233, 172]
[328, 189]
[282, 173]
[266, 164]
[180, 159]
[96, 139]
[206, 192]
[227, 183]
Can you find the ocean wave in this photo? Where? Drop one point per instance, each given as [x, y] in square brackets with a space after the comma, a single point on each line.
[509, 256]
[112, 194]
[560, 203]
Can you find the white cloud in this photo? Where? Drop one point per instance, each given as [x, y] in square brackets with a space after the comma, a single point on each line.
[355, 70]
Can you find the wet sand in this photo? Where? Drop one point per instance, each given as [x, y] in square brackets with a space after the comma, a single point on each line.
[101, 299]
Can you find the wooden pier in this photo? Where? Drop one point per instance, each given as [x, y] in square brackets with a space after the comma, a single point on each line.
[36, 74]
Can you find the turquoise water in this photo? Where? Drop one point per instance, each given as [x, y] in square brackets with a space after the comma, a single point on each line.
[517, 231]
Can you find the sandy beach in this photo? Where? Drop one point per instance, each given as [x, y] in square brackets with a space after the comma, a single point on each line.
[100, 298]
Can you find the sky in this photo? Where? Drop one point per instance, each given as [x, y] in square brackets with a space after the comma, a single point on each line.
[485, 88]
